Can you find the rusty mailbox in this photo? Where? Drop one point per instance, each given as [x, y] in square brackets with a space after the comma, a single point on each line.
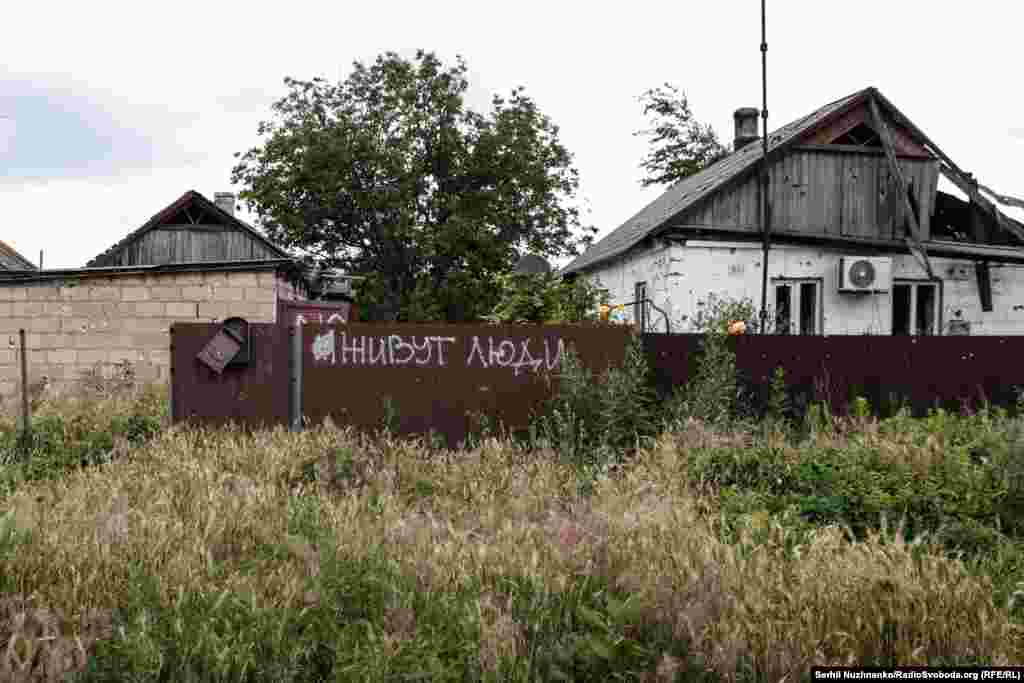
[230, 347]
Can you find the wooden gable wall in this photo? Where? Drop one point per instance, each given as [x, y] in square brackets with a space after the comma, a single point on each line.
[826, 189]
[191, 243]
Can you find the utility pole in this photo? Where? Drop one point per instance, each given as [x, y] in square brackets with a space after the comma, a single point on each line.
[765, 213]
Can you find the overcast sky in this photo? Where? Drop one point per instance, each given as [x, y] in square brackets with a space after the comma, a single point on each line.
[108, 112]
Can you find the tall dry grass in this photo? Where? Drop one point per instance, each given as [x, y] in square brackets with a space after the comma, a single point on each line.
[229, 513]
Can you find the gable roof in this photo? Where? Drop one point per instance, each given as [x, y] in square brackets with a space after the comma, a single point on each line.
[688, 191]
[12, 260]
[190, 198]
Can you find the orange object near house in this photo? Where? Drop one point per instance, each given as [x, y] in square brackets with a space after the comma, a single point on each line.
[737, 327]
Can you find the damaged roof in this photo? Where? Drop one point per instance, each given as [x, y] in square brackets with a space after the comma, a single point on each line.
[188, 199]
[689, 191]
[11, 260]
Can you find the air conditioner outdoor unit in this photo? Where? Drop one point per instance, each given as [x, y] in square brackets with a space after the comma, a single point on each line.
[865, 274]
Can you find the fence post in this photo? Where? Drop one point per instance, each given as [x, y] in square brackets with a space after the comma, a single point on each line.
[170, 379]
[295, 377]
[26, 424]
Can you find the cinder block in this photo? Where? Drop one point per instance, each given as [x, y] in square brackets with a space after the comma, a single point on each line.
[149, 340]
[45, 324]
[260, 294]
[181, 310]
[122, 355]
[56, 341]
[55, 308]
[135, 294]
[161, 324]
[81, 292]
[62, 356]
[228, 294]
[28, 309]
[106, 293]
[253, 311]
[93, 339]
[148, 309]
[42, 292]
[147, 372]
[165, 293]
[10, 372]
[213, 310]
[196, 293]
[86, 309]
[75, 325]
[13, 293]
[92, 356]
[190, 278]
[7, 356]
[160, 357]
[244, 280]
[268, 278]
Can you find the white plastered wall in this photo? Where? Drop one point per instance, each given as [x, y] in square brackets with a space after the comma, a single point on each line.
[678, 277]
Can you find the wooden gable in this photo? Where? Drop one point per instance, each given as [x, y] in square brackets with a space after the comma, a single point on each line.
[835, 181]
[855, 128]
[191, 229]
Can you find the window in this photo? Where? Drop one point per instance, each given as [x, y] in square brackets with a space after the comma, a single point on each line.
[797, 306]
[640, 306]
[915, 308]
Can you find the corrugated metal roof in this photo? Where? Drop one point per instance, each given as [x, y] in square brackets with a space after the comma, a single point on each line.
[12, 260]
[166, 213]
[689, 191]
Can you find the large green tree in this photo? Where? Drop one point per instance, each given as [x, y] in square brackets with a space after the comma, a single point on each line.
[391, 176]
[680, 145]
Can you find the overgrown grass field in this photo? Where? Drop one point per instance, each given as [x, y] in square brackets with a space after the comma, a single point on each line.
[623, 538]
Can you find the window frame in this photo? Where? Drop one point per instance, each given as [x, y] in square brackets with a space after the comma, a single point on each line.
[915, 284]
[794, 284]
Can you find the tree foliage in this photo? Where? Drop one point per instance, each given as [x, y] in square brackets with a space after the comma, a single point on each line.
[679, 144]
[546, 298]
[389, 175]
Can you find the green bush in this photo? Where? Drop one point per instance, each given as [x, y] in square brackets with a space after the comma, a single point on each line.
[546, 298]
[713, 394]
[597, 421]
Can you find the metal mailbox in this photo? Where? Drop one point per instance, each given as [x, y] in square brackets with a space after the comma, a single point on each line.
[230, 347]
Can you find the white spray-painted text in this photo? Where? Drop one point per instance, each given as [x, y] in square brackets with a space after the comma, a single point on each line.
[339, 348]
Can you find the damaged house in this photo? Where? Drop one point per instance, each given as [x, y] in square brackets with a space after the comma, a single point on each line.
[861, 239]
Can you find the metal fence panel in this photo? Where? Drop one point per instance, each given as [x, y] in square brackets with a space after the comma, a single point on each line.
[252, 395]
[434, 374]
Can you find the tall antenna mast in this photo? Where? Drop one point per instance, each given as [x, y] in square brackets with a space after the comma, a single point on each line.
[765, 214]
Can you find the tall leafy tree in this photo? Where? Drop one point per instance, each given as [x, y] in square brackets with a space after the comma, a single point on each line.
[389, 175]
[679, 144]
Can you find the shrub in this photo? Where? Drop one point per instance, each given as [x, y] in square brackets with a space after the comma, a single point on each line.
[546, 298]
[713, 393]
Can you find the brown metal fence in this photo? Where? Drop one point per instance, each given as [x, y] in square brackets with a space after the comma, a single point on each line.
[890, 371]
[435, 374]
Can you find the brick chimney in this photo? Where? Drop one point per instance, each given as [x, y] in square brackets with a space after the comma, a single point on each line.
[746, 127]
[225, 201]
